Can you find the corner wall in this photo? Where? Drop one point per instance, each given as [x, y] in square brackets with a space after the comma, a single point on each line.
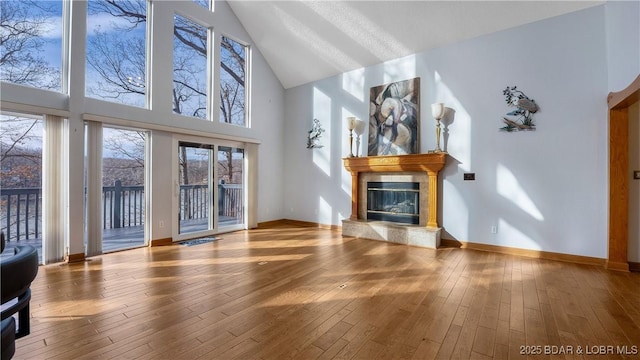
[542, 190]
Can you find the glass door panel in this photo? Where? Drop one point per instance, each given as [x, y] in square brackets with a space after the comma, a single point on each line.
[230, 186]
[195, 174]
[123, 188]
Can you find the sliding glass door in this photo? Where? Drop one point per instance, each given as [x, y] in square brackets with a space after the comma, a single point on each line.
[210, 190]
[195, 196]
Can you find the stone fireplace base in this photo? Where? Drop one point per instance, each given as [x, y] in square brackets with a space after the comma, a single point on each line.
[392, 232]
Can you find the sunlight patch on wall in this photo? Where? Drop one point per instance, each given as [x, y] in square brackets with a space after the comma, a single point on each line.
[509, 235]
[403, 68]
[353, 83]
[509, 187]
[345, 182]
[456, 126]
[322, 112]
[325, 211]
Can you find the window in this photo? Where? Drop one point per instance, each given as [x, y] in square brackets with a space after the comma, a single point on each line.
[233, 77]
[203, 3]
[31, 43]
[123, 188]
[21, 181]
[195, 173]
[190, 68]
[230, 186]
[116, 51]
[31, 192]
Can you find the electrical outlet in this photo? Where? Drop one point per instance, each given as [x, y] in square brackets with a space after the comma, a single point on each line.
[161, 224]
[469, 176]
[494, 229]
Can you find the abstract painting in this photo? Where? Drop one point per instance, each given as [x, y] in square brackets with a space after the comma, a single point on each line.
[394, 115]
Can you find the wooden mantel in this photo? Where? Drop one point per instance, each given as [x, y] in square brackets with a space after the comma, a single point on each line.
[430, 163]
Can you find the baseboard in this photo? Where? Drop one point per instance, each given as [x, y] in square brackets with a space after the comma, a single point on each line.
[524, 252]
[73, 258]
[547, 255]
[634, 266]
[617, 266]
[161, 242]
[271, 224]
[300, 223]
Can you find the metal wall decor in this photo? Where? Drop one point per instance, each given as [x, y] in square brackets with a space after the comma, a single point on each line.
[523, 114]
[313, 137]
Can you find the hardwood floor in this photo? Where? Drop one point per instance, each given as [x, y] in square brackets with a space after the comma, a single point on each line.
[304, 293]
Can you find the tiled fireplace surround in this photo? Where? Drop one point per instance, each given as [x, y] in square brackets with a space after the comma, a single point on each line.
[422, 168]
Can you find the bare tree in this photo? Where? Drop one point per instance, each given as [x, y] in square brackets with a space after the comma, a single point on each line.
[22, 25]
[232, 82]
[120, 62]
[120, 65]
[128, 163]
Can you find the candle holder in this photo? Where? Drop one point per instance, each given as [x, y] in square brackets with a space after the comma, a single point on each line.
[437, 111]
[351, 124]
[358, 129]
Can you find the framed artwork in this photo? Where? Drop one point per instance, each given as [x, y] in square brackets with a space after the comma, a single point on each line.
[394, 115]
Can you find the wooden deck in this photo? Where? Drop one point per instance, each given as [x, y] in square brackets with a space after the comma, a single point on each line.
[306, 293]
[121, 238]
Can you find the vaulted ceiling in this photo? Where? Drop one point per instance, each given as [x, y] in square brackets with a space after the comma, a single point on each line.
[304, 41]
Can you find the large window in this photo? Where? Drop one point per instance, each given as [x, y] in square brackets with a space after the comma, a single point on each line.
[116, 51]
[31, 43]
[123, 195]
[190, 68]
[198, 77]
[21, 181]
[233, 56]
[31, 201]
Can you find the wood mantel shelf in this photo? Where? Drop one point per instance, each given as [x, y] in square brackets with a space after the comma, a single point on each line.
[415, 162]
[430, 163]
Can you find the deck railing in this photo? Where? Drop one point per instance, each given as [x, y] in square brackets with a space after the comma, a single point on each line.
[123, 206]
[21, 213]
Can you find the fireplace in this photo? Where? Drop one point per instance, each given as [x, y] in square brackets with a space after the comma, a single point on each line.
[395, 198]
[394, 201]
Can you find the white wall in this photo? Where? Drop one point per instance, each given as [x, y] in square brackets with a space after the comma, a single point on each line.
[623, 42]
[544, 190]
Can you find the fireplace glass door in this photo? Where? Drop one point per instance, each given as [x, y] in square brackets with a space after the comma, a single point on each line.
[394, 201]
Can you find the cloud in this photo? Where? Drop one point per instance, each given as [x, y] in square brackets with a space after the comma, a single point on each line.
[105, 23]
[52, 28]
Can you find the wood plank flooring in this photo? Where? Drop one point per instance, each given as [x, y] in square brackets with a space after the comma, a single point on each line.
[302, 293]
